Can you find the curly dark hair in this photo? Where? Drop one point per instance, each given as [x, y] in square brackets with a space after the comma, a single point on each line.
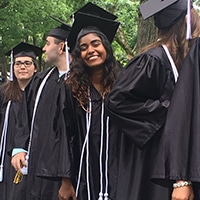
[79, 77]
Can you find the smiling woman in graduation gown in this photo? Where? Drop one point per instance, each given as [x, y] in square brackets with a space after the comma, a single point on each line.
[92, 74]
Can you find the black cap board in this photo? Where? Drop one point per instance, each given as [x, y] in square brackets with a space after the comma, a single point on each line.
[25, 49]
[82, 20]
[61, 32]
[93, 9]
[151, 7]
[166, 12]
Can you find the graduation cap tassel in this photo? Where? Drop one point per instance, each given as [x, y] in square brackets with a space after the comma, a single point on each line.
[188, 33]
[11, 65]
[67, 59]
[73, 18]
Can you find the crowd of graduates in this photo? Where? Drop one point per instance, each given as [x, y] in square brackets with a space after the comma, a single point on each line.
[87, 128]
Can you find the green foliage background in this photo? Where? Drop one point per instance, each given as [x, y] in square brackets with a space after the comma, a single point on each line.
[29, 21]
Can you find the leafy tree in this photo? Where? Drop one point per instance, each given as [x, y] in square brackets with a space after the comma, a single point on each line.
[29, 21]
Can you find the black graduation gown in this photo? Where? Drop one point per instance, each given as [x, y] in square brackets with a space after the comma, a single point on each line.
[138, 104]
[6, 186]
[76, 122]
[50, 157]
[179, 151]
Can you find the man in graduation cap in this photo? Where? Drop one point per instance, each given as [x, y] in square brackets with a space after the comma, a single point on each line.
[139, 102]
[41, 129]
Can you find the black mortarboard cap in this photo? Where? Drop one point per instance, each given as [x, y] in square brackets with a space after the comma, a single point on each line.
[21, 50]
[106, 26]
[166, 12]
[61, 32]
[25, 49]
[93, 9]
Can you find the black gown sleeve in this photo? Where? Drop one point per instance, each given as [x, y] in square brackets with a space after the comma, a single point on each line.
[179, 157]
[140, 97]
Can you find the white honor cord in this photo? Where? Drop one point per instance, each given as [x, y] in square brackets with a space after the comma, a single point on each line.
[88, 124]
[11, 65]
[3, 140]
[101, 152]
[107, 158]
[174, 69]
[87, 156]
[39, 92]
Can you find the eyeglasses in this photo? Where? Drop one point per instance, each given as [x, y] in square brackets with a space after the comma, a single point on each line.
[18, 64]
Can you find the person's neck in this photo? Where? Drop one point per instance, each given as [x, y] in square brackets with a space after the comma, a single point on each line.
[23, 83]
[61, 64]
[96, 77]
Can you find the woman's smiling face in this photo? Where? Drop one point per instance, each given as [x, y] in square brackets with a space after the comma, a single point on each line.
[92, 50]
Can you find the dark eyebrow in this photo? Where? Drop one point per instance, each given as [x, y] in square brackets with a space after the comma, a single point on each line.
[92, 41]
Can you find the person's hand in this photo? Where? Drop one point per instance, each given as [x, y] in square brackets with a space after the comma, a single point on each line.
[183, 193]
[19, 160]
[66, 191]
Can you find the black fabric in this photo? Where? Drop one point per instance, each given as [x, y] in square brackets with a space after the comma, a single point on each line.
[171, 15]
[178, 156]
[151, 7]
[138, 105]
[59, 33]
[93, 9]
[166, 12]
[25, 49]
[6, 186]
[50, 157]
[76, 120]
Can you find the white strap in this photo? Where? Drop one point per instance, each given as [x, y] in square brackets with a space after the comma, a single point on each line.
[86, 142]
[39, 92]
[3, 140]
[107, 158]
[174, 69]
[101, 152]
[67, 56]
